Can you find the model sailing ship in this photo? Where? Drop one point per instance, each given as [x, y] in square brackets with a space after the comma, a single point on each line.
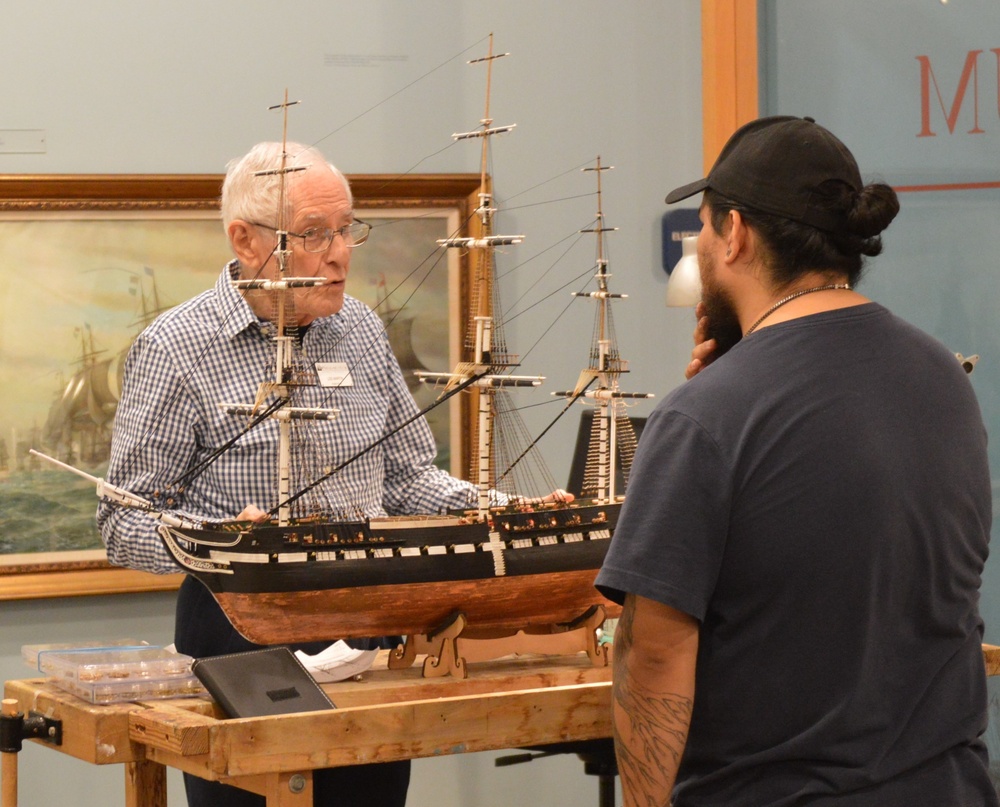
[510, 564]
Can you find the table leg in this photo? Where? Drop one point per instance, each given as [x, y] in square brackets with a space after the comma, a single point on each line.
[145, 784]
[290, 789]
[8, 772]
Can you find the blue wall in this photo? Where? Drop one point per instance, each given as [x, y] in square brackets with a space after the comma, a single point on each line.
[913, 90]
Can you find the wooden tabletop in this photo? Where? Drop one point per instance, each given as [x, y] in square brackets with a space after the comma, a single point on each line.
[384, 715]
[390, 715]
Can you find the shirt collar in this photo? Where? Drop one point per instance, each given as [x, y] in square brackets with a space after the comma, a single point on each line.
[234, 312]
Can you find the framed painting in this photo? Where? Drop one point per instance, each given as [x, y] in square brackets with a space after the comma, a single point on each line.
[86, 261]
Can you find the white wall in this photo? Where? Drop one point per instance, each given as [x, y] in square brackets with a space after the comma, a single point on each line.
[181, 87]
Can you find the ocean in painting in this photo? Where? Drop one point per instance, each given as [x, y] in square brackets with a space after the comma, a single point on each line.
[47, 511]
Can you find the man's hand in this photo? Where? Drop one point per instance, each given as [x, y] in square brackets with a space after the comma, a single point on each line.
[704, 347]
[558, 496]
[252, 513]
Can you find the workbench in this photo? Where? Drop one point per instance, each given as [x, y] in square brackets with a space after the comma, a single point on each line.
[386, 715]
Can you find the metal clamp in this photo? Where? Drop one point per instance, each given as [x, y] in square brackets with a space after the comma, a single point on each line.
[15, 728]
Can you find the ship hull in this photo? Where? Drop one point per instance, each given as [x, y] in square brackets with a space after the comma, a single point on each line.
[501, 604]
[387, 577]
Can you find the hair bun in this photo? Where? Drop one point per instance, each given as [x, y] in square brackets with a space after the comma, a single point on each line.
[873, 208]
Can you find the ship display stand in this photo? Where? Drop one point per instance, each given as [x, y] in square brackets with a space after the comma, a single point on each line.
[449, 650]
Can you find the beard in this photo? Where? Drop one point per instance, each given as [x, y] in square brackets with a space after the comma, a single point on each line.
[723, 322]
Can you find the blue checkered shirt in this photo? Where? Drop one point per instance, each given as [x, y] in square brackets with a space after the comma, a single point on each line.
[213, 349]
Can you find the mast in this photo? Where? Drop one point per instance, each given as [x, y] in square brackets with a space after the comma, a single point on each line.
[607, 366]
[485, 336]
[280, 288]
[283, 342]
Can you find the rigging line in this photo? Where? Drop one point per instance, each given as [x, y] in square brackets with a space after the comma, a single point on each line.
[545, 182]
[508, 208]
[373, 310]
[507, 314]
[392, 222]
[133, 455]
[400, 90]
[384, 331]
[552, 179]
[388, 295]
[555, 420]
[440, 256]
[538, 341]
[196, 471]
[437, 402]
[553, 323]
[193, 473]
[390, 180]
[416, 216]
[584, 273]
[533, 405]
[522, 264]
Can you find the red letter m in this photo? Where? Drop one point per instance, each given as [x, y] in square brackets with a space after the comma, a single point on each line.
[927, 78]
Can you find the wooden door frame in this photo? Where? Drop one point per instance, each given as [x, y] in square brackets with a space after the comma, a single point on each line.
[729, 71]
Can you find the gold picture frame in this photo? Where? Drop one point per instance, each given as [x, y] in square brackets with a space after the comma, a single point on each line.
[96, 227]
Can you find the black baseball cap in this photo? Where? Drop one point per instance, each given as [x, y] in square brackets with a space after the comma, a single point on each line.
[780, 165]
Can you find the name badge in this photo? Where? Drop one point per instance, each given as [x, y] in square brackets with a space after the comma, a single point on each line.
[334, 374]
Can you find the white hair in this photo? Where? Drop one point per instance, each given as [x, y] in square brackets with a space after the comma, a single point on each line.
[254, 198]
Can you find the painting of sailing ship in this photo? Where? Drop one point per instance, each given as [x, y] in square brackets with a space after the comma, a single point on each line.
[77, 286]
[76, 290]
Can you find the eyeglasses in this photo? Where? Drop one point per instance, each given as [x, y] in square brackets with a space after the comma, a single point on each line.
[318, 239]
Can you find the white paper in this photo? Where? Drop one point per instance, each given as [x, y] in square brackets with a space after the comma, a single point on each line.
[337, 662]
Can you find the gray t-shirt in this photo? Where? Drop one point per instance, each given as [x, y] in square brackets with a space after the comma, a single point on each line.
[819, 499]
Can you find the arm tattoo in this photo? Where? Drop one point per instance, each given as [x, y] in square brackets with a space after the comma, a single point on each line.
[650, 728]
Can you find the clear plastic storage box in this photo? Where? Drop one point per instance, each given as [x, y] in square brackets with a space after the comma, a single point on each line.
[29, 652]
[116, 673]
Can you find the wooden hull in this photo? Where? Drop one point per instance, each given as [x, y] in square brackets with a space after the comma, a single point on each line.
[500, 604]
[524, 569]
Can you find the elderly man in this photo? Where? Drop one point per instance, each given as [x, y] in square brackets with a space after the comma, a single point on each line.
[217, 347]
[807, 519]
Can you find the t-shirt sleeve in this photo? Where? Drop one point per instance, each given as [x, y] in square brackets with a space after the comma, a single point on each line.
[671, 534]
